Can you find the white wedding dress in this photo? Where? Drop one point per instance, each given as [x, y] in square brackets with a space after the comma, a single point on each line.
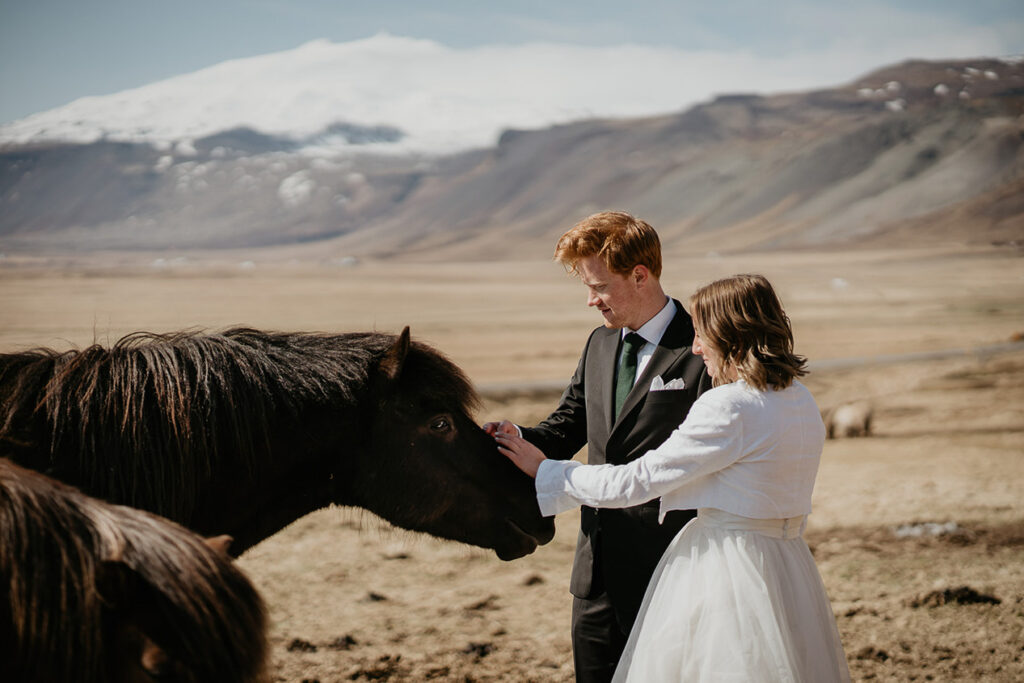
[735, 599]
[737, 596]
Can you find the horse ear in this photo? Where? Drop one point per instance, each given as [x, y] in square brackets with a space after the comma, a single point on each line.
[123, 588]
[220, 543]
[116, 583]
[128, 595]
[392, 362]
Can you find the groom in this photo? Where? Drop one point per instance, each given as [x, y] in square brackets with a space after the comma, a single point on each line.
[611, 406]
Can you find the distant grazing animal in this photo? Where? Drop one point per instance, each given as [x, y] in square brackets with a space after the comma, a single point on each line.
[245, 431]
[848, 420]
[94, 592]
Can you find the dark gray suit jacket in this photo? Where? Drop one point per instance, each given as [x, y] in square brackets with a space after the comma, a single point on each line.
[618, 550]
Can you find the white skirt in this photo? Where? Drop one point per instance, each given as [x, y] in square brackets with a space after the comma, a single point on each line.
[735, 599]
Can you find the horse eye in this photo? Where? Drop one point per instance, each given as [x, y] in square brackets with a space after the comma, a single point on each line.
[441, 424]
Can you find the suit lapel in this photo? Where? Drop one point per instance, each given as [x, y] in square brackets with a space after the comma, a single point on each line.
[674, 343]
[608, 353]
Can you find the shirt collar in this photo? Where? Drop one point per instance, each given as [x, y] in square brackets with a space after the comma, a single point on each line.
[654, 329]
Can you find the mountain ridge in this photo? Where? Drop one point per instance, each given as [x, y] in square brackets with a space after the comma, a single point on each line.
[911, 153]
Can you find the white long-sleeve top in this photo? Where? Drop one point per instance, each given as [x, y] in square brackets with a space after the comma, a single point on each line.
[749, 452]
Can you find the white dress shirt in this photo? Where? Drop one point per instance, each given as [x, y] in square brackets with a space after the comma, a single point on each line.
[749, 452]
[652, 331]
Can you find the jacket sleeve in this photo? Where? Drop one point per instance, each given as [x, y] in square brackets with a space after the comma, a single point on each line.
[564, 432]
[710, 439]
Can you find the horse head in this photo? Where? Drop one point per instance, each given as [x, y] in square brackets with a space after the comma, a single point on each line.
[431, 468]
[101, 592]
[245, 431]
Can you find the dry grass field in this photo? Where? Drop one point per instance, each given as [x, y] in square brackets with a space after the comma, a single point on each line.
[918, 529]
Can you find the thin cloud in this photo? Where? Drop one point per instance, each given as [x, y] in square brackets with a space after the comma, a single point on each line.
[444, 99]
[805, 36]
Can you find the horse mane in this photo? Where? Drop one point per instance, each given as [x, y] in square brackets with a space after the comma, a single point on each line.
[53, 543]
[147, 420]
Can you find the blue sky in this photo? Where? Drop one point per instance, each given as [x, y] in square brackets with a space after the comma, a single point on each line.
[54, 51]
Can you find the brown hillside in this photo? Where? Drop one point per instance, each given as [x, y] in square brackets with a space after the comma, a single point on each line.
[912, 154]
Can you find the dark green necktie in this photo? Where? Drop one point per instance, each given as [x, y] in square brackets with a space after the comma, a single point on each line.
[626, 373]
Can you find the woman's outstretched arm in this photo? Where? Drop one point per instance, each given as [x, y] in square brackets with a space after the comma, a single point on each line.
[710, 439]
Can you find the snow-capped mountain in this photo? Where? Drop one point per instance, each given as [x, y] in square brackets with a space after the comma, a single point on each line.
[389, 93]
[919, 152]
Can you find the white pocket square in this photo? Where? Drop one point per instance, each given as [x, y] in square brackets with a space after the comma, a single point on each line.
[673, 384]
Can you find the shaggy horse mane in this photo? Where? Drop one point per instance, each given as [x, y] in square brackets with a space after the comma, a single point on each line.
[150, 417]
[54, 544]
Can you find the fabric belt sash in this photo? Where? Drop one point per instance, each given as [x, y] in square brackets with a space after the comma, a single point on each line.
[789, 527]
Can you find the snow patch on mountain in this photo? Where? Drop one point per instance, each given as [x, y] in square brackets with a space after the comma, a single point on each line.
[394, 94]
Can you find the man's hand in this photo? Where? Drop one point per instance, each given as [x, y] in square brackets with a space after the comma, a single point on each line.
[503, 427]
[524, 454]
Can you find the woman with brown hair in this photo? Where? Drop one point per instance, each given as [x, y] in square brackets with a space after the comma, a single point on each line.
[737, 595]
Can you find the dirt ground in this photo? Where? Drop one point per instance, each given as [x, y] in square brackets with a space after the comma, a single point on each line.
[918, 529]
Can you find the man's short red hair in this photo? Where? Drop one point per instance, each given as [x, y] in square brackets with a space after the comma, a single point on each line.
[621, 241]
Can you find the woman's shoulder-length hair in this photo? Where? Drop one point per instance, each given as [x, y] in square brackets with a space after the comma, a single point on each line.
[742, 319]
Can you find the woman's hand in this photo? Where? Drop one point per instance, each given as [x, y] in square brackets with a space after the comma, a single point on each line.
[524, 454]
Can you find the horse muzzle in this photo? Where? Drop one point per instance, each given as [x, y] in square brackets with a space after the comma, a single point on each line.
[524, 542]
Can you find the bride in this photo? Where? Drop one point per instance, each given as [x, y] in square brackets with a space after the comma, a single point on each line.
[737, 596]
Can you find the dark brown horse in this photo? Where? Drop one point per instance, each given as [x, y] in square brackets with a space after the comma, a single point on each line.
[245, 431]
[101, 592]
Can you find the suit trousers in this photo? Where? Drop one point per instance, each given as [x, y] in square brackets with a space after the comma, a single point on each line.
[597, 639]
[627, 545]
